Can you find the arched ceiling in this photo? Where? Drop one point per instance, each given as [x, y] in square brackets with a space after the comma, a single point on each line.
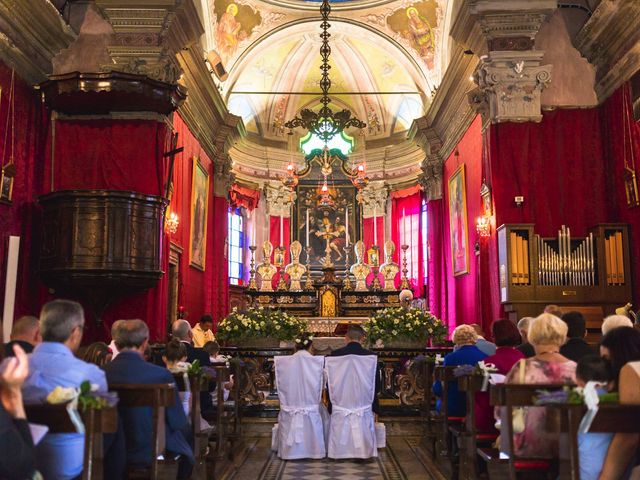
[387, 59]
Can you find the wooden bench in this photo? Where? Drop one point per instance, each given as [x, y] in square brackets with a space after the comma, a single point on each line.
[96, 423]
[430, 418]
[507, 465]
[450, 427]
[157, 397]
[470, 438]
[609, 419]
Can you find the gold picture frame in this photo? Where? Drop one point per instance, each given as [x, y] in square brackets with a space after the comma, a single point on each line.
[199, 215]
[458, 224]
[6, 186]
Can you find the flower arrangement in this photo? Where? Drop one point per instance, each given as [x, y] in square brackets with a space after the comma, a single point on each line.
[571, 396]
[304, 339]
[260, 323]
[87, 396]
[405, 323]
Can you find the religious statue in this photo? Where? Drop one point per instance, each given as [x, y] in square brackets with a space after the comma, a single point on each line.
[389, 269]
[360, 270]
[266, 269]
[295, 269]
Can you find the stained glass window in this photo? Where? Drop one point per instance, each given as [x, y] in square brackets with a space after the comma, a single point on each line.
[236, 246]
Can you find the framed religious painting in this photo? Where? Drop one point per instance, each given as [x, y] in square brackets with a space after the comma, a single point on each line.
[6, 185]
[458, 222]
[199, 205]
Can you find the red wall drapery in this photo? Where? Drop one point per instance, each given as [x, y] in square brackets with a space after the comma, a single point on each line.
[246, 197]
[367, 234]
[410, 207]
[274, 238]
[437, 272]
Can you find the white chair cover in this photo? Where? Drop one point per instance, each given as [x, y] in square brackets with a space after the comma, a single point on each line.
[351, 381]
[300, 431]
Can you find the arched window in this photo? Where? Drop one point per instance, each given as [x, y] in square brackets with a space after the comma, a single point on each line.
[236, 246]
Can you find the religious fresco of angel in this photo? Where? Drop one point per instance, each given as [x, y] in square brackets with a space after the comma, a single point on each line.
[416, 24]
[234, 22]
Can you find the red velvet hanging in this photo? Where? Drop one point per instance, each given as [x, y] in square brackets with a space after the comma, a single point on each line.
[437, 274]
[410, 207]
[367, 233]
[241, 196]
[274, 238]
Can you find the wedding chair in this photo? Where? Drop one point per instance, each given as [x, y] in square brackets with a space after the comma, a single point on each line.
[299, 432]
[351, 382]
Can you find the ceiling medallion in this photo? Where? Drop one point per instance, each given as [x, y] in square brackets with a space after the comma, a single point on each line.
[325, 123]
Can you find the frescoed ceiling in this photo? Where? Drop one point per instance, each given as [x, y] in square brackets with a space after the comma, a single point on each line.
[387, 59]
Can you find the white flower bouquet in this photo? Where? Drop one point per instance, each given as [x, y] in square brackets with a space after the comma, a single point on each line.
[412, 324]
[259, 322]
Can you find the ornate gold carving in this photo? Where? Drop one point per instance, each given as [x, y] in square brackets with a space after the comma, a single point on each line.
[284, 299]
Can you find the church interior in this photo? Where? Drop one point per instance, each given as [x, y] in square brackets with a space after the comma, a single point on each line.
[259, 197]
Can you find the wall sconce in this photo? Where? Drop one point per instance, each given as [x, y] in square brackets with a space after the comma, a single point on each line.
[483, 226]
[171, 223]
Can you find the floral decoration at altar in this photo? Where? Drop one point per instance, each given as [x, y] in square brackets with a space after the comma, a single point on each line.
[401, 327]
[259, 326]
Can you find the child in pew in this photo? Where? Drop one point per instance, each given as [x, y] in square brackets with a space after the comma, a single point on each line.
[175, 358]
[213, 350]
[592, 447]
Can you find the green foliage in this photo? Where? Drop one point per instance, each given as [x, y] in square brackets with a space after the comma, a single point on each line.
[412, 323]
[88, 399]
[260, 323]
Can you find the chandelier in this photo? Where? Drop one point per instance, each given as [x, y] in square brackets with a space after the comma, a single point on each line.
[325, 124]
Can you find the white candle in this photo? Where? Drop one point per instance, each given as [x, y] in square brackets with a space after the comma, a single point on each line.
[254, 227]
[281, 229]
[307, 229]
[405, 240]
[375, 224]
[346, 227]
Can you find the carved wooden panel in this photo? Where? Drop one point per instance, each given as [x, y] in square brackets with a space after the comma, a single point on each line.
[101, 238]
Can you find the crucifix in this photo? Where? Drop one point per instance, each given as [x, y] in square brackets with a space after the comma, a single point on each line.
[171, 154]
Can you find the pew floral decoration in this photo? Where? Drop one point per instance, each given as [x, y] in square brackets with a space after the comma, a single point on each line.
[260, 323]
[86, 397]
[399, 323]
[571, 396]
[481, 369]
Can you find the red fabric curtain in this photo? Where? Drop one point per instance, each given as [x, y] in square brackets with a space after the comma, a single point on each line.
[406, 219]
[368, 231]
[241, 196]
[274, 238]
[622, 144]
[437, 272]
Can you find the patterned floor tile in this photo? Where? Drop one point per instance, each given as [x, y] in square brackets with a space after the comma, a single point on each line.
[331, 469]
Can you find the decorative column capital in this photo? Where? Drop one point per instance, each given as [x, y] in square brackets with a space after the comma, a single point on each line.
[509, 86]
[223, 177]
[373, 199]
[279, 200]
[431, 177]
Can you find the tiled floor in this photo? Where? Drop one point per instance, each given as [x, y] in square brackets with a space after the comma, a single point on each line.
[401, 460]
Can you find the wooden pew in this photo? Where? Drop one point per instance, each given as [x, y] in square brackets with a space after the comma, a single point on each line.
[609, 419]
[431, 418]
[157, 397]
[506, 465]
[470, 438]
[96, 423]
[449, 426]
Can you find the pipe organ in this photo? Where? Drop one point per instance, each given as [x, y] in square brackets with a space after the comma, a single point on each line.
[570, 271]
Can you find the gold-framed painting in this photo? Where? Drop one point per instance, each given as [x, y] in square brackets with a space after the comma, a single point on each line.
[199, 210]
[6, 184]
[458, 222]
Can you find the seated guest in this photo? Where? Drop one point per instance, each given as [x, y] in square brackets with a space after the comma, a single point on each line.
[622, 347]
[112, 344]
[483, 345]
[213, 350]
[592, 447]
[18, 460]
[355, 337]
[576, 346]
[202, 332]
[98, 353]
[26, 333]
[553, 310]
[506, 335]
[53, 364]
[129, 367]
[181, 330]
[464, 337]
[547, 333]
[615, 321]
[525, 347]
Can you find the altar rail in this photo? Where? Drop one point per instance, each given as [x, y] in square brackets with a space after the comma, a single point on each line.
[403, 382]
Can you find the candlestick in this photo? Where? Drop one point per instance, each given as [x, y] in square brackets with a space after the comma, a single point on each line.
[375, 225]
[404, 285]
[346, 285]
[308, 284]
[252, 271]
[346, 221]
[307, 229]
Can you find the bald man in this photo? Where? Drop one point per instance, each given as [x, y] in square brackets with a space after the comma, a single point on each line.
[26, 333]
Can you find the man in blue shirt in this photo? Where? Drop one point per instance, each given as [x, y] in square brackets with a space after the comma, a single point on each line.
[52, 364]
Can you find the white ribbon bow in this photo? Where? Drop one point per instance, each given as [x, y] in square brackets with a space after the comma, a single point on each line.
[296, 431]
[486, 369]
[591, 400]
[352, 417]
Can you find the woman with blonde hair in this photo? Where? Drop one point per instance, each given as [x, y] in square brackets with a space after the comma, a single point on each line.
[547, 333]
